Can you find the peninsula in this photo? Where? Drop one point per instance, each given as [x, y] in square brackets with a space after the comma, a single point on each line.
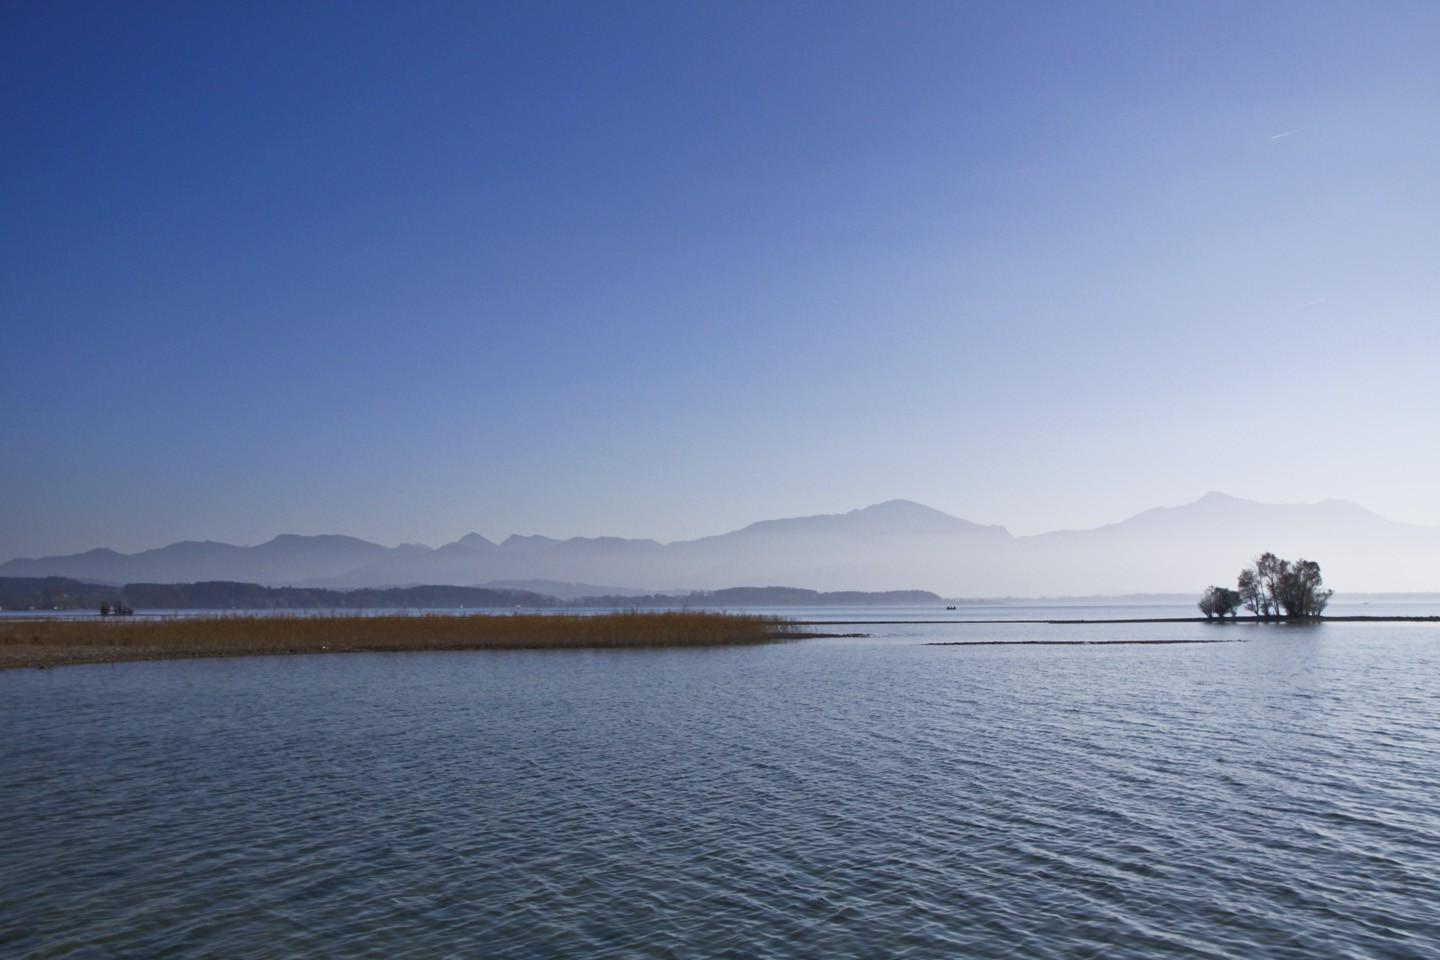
[61, 641]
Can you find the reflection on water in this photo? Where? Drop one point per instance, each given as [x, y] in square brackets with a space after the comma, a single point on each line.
[840, 798]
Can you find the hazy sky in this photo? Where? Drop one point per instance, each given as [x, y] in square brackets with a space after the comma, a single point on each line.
[409, 270]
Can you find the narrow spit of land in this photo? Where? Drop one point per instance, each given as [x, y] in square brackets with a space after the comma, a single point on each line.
[45, 642]
[1160, 641]
[61, 642]
[1225, 622]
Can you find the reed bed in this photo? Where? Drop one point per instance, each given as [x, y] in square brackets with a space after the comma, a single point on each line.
[43, 643]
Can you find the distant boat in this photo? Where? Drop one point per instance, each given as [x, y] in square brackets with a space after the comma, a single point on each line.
[949, 608]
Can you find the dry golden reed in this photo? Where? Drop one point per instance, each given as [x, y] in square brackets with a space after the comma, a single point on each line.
[52, 642]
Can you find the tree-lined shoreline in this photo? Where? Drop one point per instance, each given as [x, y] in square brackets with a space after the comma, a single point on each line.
[64, 593]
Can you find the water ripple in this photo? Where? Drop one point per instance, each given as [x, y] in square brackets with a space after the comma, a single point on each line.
[848, 799]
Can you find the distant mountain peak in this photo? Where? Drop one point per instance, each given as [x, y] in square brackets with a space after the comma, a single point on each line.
[901, 507]
[908, 513]
[518, 539]
[1216, 499]
[304, 539]
[889, 518]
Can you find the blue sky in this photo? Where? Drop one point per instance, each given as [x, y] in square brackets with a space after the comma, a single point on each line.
[406, 271]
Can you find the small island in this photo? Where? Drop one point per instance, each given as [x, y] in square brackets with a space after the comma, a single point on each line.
[1271, 589]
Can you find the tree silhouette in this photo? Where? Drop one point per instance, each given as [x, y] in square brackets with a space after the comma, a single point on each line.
[1271, 586]
[1219, 602]
[1302, 592]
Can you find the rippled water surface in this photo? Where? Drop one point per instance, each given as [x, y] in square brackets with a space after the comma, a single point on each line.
[868, 797]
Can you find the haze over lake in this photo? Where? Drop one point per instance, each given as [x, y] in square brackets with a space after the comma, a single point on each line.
[897, 545]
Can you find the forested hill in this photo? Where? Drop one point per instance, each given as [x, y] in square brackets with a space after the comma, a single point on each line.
[54, 593]
[63, 593]
[768, 597]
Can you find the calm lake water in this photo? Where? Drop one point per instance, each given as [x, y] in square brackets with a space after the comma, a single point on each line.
[864, 797]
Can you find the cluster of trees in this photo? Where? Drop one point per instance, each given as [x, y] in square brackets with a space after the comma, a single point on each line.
[1271, 588]
[62, 593]
[54, 593]
[761, 596]
[1219, 602]
[228, 595]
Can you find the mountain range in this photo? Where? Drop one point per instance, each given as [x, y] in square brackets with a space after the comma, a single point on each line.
[895, 545]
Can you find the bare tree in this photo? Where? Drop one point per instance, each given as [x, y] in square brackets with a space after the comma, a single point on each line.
[1269, 569]
[1271, 586]
[1218, 602]
[1252, 591]
[1302, 591]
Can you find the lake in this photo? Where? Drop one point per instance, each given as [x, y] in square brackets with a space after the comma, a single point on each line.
[853, 797]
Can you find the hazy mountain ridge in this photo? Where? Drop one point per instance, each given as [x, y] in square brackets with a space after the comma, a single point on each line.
[1218, 532]
[896, 545]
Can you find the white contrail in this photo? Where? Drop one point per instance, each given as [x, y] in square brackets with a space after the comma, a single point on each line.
[1287, 133]
[1311, 303]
